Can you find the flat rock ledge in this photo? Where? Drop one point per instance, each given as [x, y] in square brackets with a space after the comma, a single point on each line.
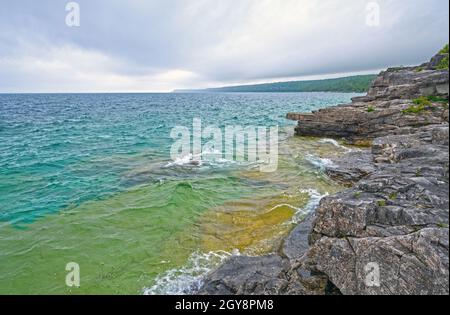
[382, 111]
[388, 233]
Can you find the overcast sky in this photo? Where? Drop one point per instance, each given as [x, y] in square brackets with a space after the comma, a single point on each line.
[161, 45]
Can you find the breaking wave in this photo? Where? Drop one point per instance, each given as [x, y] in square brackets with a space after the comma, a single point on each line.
[189, 278]
[208, 158]
[336, 144]
[318, 162]
[314, 201]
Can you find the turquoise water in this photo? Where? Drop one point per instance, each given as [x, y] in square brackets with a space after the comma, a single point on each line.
[86, 177]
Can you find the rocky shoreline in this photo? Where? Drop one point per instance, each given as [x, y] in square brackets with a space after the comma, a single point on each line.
[388, 232]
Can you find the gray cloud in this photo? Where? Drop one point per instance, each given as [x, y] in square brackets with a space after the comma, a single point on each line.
[142, 45]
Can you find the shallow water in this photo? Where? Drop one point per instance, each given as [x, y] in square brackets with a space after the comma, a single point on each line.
[87, 178]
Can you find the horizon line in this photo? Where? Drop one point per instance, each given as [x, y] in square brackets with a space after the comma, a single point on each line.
[205, 89]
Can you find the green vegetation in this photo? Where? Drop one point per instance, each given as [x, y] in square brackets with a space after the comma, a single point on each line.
[357, 194]
[443, 225]
[357, 84]
[393, 196]
[414, 109]
[437, 99]
[423, 100]
[382, 203]
[370, 109]
[421, 104]
[443, 64]
[424, 103]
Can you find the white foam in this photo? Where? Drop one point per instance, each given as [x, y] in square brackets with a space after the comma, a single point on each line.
[314, 201]
[321, 163]
[206, 158]
[331, 141]
[187, 160]
[336, 144]
[284, 205]
[189, 278]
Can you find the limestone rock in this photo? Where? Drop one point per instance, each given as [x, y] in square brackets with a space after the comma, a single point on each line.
[297, 243]
[352, 167]
[410, 264]
[382, 111]
[244, 275]
[388, 233]
[396, 217]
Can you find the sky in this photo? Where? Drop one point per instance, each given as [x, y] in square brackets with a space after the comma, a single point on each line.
[162, 45]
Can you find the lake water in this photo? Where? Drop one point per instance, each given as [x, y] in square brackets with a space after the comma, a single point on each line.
[88, 178]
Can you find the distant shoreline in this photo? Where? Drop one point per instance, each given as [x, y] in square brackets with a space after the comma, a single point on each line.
[351, 84]
[173, 92]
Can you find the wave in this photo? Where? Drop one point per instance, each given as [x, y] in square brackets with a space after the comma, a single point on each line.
[189, 278]
[321, 163]
[336, 144]
[314, 201]
[284, 205]
[211, 158]
[187, 160]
